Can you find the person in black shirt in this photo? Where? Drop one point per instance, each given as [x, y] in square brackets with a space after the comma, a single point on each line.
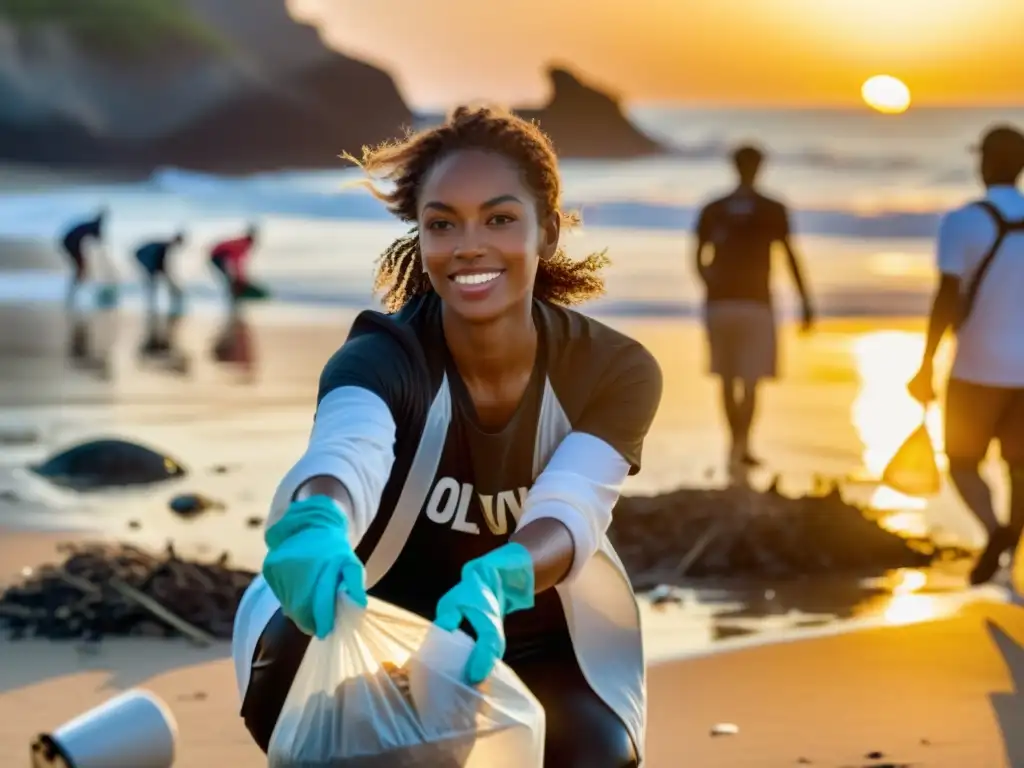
[735, 235]
[73, 243]
[152, 257]
[468, 449]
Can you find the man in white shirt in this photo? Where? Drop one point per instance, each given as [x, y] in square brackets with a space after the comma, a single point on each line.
[981, 254]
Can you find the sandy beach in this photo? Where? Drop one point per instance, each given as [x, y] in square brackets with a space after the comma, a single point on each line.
[237, 422]
[939, 693]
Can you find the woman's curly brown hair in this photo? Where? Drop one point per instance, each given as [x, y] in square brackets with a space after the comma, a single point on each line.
[400, 275]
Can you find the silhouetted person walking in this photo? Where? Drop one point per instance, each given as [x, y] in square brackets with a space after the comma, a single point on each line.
[735, 235]
[981, 260]
[152, 257]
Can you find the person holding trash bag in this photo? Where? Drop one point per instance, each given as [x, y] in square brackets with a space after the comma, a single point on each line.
[981, 258]
[468, 449]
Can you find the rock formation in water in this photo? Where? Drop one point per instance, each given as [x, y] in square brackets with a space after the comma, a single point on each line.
[585, 122]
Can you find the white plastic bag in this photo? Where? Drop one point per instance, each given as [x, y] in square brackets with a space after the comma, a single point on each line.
[385, 689]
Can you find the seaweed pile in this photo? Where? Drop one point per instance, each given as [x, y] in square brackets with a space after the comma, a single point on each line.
[741, 532]
[105, 590]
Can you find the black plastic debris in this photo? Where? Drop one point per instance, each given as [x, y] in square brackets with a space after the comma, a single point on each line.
[193, 504]
[103, 590]
[108, 463]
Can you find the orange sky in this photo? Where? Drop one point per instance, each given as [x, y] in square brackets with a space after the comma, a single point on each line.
[756, 52]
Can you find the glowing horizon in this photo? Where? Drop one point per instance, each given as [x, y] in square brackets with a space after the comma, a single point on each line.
[797, 53]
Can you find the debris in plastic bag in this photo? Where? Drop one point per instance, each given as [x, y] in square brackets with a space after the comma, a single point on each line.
[385, 690]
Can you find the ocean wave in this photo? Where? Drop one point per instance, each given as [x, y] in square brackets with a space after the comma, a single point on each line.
[173, 198]
[304, 195]
[810, 157]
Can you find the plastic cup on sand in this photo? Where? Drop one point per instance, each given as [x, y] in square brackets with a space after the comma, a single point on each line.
[133, 730]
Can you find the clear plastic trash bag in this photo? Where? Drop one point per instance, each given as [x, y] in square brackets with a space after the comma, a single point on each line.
[913, 469]
[385, 690]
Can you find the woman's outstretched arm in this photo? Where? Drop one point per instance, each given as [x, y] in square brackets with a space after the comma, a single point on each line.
[569, 508]
[351, 449]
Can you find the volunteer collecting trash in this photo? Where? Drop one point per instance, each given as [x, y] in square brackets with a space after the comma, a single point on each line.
[468, 448]
[229, 258]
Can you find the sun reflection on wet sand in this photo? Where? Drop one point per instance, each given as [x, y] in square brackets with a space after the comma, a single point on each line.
[908, 604]
[884, 414]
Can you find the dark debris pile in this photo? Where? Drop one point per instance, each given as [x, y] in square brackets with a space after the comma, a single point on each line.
[103, 590]
[742, 532]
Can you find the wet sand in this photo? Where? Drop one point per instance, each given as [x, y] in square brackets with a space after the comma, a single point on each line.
[238, 421]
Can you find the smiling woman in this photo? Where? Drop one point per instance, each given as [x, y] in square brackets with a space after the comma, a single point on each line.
[489, 431]
[526, 156]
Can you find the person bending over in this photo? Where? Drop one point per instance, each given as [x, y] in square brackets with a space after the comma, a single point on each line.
[468, 448]
[229, 258]
[73, 243]
[153, 259]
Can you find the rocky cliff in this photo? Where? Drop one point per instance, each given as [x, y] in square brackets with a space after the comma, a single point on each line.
[253, 91]
[273, 96]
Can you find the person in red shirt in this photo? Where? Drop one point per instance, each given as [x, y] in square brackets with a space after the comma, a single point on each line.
[229, 258]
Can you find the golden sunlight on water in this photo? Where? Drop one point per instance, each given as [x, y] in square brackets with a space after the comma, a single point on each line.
[907, 604]
[884, 414]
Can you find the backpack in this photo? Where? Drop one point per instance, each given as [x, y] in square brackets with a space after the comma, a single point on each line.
[969, 297]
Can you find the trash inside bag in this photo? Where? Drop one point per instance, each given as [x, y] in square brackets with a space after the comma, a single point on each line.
[385, 690]
[912, 469]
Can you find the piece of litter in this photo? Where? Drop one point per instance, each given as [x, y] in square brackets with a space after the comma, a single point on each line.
[875, 755]
[724, 729]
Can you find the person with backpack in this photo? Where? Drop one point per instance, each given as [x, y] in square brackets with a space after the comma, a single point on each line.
[981, 261]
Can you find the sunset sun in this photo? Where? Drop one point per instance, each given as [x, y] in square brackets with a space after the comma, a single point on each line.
[886, 94]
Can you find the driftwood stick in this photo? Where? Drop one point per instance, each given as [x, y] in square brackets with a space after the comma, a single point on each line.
[83, 585]
[196, 635]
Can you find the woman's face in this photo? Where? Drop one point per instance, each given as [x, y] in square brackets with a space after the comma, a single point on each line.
[480, 235]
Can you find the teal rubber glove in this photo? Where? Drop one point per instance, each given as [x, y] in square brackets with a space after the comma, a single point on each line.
[309, 561]
[492, 587]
